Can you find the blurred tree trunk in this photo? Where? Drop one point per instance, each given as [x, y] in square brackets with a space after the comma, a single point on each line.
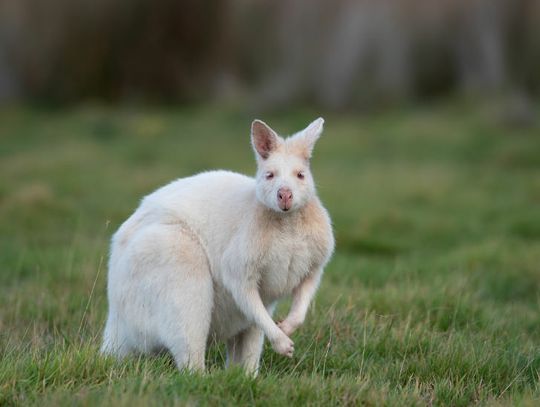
[337, 54]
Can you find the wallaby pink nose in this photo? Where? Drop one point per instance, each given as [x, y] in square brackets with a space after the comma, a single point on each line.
[284, 196]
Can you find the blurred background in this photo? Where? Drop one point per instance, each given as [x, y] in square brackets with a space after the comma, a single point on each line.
[343, 54]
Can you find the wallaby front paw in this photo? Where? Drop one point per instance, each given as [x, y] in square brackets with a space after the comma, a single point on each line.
[283, 345]
[287, 327]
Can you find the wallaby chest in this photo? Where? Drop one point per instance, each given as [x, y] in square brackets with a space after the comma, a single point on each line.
[291, 251]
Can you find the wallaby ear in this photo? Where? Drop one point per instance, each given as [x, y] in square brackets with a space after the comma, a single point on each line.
[264, 139]
[309, 136]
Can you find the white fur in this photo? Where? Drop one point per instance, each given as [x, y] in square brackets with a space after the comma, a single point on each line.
[210, 255]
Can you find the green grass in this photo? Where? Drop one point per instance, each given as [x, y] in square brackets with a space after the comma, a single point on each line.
[432, 297]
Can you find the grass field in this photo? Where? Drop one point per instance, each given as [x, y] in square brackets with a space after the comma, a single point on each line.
[432, 297]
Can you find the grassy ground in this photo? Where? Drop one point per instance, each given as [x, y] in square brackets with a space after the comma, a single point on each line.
[432, 296]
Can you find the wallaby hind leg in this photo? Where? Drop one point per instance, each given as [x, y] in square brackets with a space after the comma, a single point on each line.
[245, 349]
[186, 322]
[186, 298]
[115, 340]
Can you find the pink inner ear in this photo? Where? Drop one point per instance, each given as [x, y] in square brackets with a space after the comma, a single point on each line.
[265, 146]
[264, 141]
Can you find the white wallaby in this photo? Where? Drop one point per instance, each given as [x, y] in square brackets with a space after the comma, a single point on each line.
[209, 256]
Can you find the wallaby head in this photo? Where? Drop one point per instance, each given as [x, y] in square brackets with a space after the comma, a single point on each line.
[284, 180]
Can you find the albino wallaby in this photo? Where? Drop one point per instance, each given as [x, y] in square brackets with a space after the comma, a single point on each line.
[209, 256]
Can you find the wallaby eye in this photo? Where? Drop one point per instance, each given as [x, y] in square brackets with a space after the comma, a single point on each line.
[300, 175]
[269, 175]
